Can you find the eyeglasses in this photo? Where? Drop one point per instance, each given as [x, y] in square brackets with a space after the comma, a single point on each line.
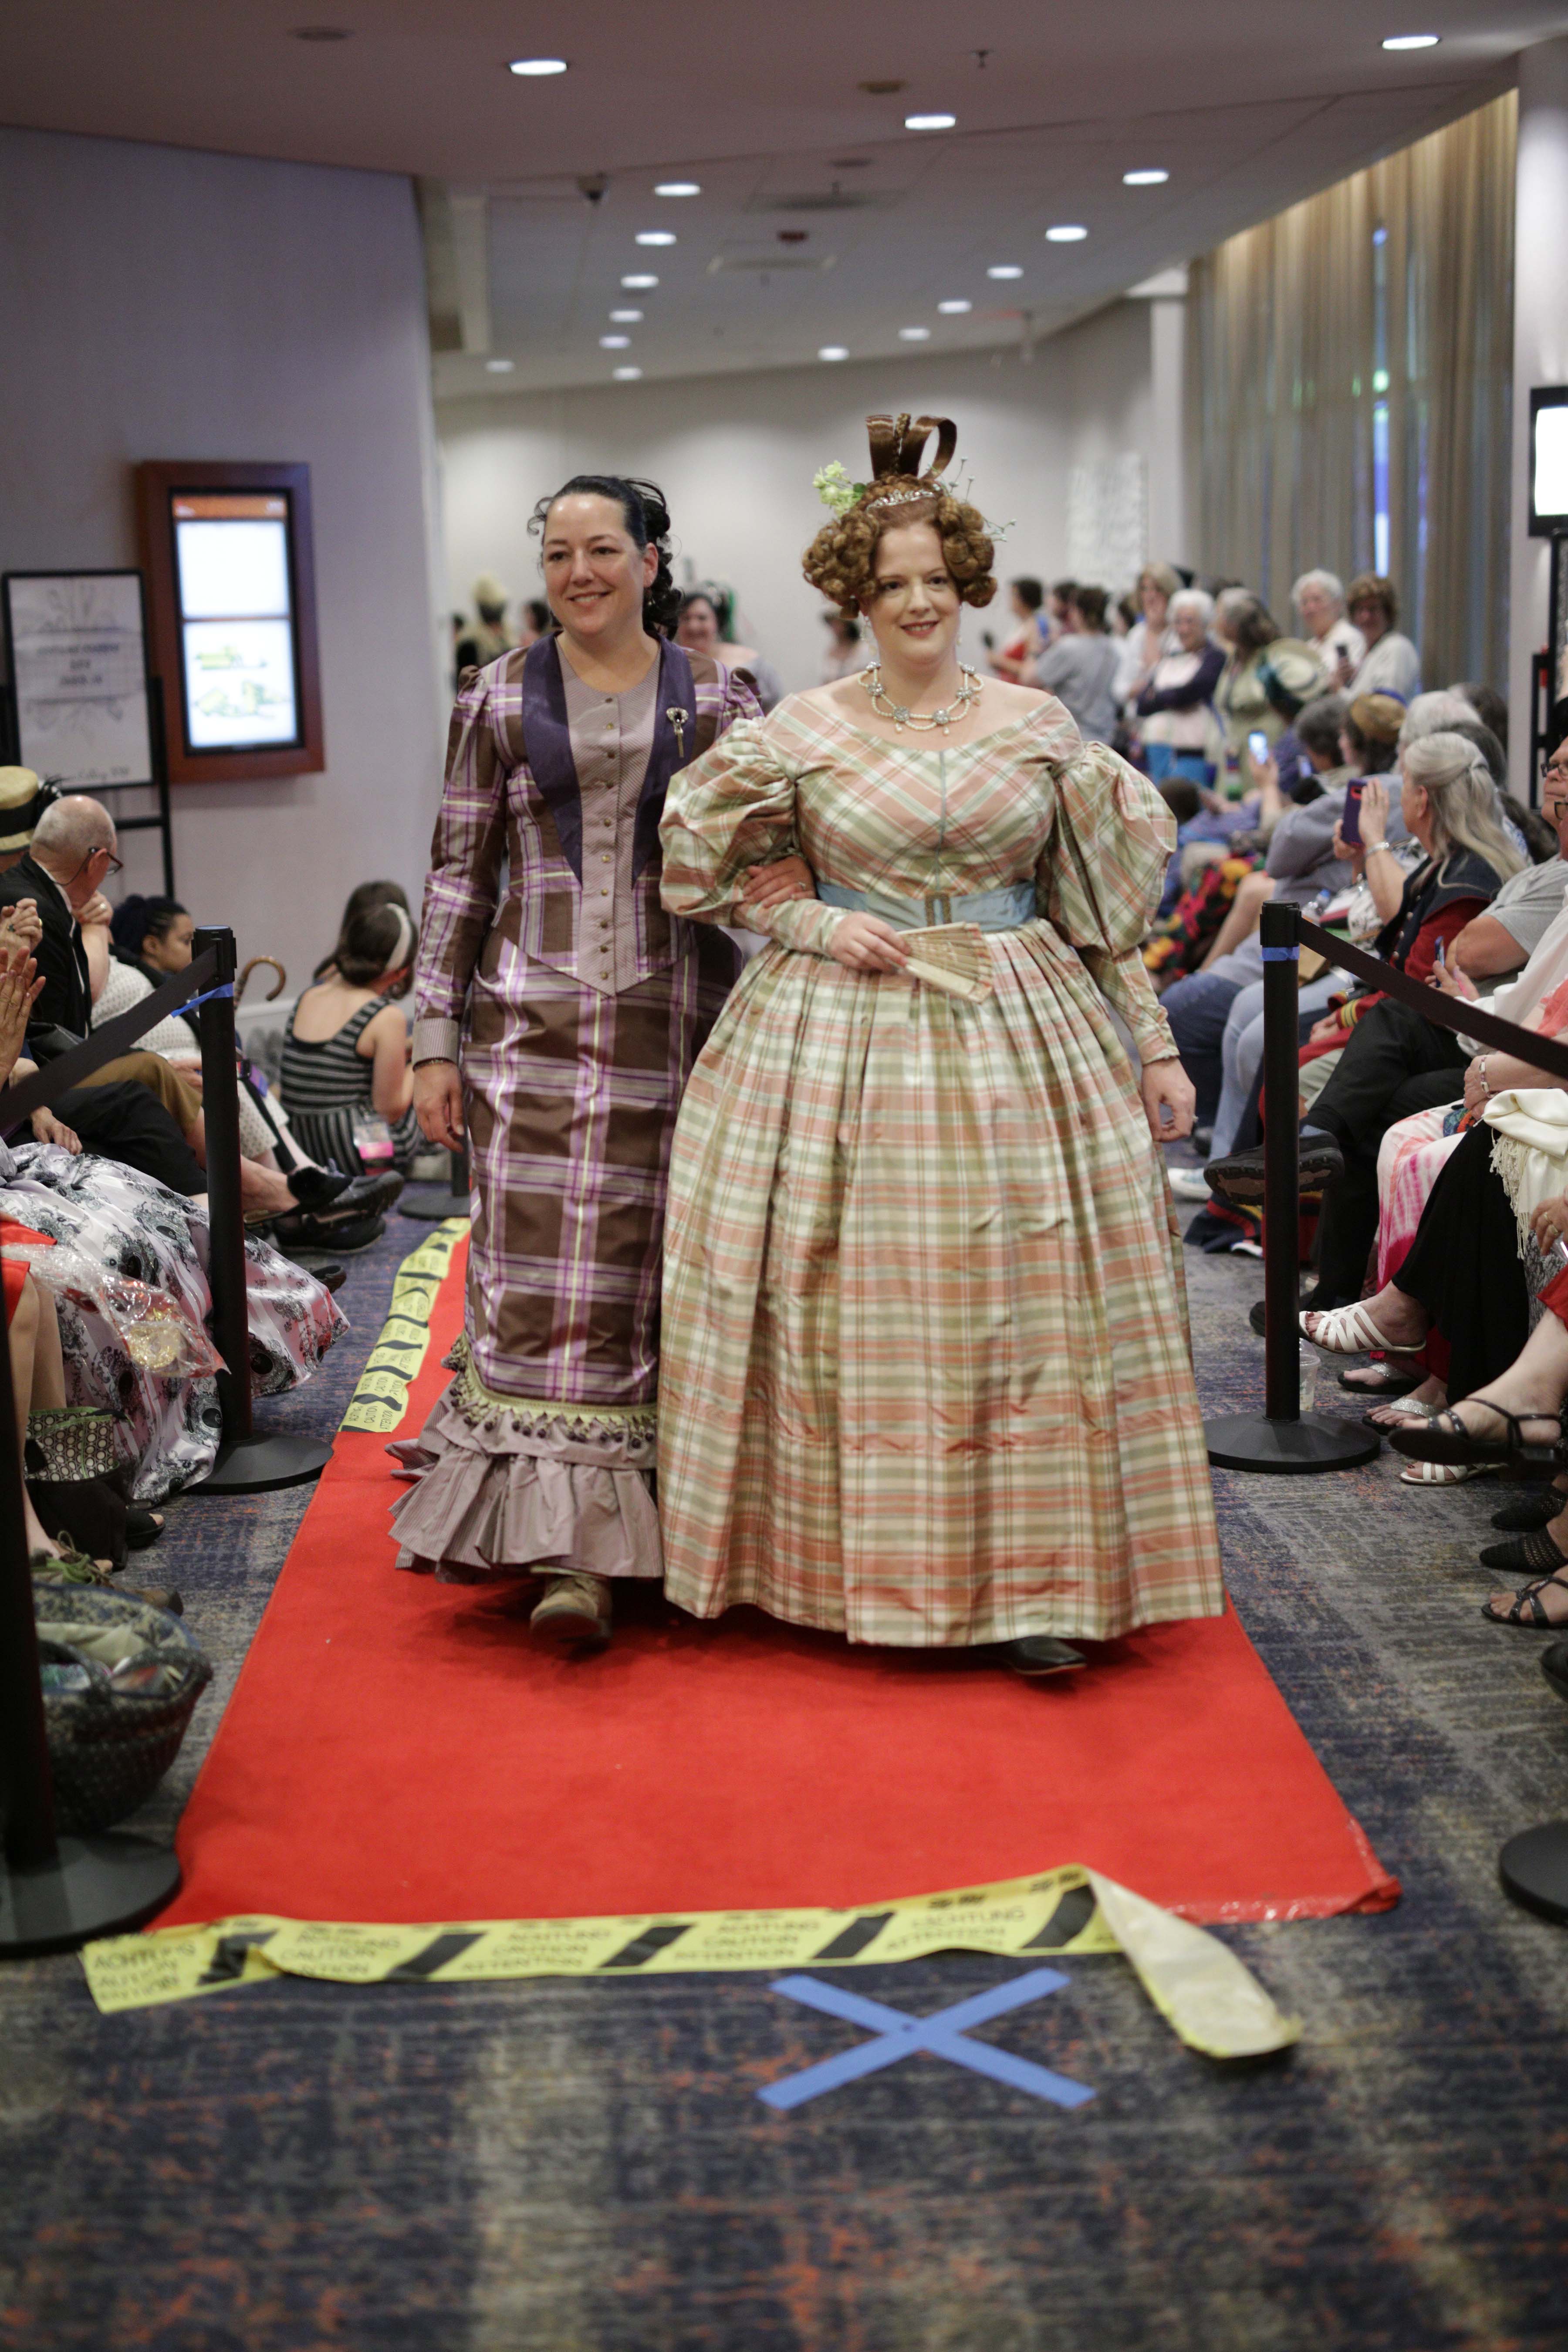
[115, 866]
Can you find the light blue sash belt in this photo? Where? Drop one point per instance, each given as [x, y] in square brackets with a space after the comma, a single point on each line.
[990, 910]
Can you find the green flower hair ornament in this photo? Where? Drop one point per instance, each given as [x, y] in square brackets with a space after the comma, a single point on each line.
[838, 493]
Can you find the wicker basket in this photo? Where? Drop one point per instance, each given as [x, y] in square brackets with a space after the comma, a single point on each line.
[110, 1748]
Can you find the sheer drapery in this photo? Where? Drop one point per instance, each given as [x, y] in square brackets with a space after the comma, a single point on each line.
[1349, 385]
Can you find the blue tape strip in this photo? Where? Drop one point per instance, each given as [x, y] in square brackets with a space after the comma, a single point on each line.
[191, 1003]
[1281, 955]
[942, 2035]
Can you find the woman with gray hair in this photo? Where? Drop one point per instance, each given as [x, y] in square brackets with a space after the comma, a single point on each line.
[1320, 600]
[1392, 1061]
[1172, 712]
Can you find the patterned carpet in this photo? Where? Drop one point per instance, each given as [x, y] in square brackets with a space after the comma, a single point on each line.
[568, 2167]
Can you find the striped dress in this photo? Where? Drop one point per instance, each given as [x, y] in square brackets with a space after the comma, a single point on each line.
[575, 1005]
[326, 1085]
[926, 1377]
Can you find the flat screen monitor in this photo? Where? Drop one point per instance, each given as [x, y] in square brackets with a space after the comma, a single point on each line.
[239, 672]
[1549, 461]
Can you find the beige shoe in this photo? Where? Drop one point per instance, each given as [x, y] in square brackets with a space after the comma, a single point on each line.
[573, 1613]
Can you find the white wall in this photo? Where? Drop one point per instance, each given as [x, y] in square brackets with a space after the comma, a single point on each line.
[1539, 354]
[735, 456]
[156, 303]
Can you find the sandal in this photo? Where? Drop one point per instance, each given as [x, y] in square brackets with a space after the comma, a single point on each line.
[1527, 1610]
[1406, 1408]
[1385, 1390]
[1441, 1473]
[1538, 1554]
[1347, 1331]
[1456, 1443]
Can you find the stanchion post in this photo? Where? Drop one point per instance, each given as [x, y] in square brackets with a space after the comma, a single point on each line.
[1281, 1438]
[247, 1464]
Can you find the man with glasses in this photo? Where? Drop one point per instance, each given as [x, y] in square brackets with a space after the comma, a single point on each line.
[70, 858]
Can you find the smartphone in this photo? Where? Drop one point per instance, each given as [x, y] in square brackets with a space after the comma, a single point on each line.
[1257, 746]
[1440, 957]
[1350, 823]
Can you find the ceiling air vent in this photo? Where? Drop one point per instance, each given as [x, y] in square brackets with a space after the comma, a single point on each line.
[767, 258]
[825, 200]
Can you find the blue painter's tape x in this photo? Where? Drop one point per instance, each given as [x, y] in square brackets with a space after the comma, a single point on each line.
[944, 2035]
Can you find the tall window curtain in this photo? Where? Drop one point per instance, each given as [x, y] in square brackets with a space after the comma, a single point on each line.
[1350, 383]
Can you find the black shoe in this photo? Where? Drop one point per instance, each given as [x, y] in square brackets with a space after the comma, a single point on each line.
[1040, 1654]
[1201, 1140]
[357, 1196]
[315, 1188]
[1536, 1507]
[1239, 1178]
[341, 1239]
[1554, 1666]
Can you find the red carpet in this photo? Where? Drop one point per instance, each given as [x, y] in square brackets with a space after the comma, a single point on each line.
[394, 1750]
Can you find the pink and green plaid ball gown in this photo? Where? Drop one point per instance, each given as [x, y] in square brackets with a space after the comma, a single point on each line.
[926, 1377]
[576, 1006]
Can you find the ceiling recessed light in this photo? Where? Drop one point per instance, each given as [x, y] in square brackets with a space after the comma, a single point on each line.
[1004, 269]
[914, 335]
[536, 69]
[638, 284]
[614, 342]
[678, 188]
[954, 309]
[833, 351]
[656, 236]
[1144, 179]
[1066, 233]
[930, 121]
[626, 317]
[627, 375]
[1412, 41]
[501, 367]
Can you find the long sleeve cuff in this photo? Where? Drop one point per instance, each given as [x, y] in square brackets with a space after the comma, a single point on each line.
[1123, 981]
[435, 1040]
[805, 925]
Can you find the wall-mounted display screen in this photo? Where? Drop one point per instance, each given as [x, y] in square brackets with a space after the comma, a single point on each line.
[231, 582]
[238, 670]
[1548, 461]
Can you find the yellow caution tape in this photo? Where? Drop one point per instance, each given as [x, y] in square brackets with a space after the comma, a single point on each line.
[381, 1398]
[1211, 1999]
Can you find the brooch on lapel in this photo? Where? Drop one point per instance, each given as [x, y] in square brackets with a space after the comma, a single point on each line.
[677, 716]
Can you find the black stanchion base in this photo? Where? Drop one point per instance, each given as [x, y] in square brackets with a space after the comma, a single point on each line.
[1533, 1868]
[94, 1886]
[431, 1204]
[255, 1465]
[1250, 1440]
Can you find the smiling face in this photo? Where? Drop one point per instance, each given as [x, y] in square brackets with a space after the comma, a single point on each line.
[915, 613]
[1368, 615]
[595, 572]
[1191, 630]
[1318, 610]
[1154, 601]
[698, 628]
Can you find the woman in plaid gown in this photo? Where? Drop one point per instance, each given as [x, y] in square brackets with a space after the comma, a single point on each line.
[575, 1006]
[925, 1366]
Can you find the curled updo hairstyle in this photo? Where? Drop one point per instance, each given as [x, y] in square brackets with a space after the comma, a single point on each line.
[647, 519]
[138, 918]
[841, 561]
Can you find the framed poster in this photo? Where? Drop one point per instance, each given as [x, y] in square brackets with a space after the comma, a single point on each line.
[76, 648]
[231, 577]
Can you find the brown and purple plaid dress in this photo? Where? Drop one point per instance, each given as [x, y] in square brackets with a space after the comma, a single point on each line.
[576, 1006]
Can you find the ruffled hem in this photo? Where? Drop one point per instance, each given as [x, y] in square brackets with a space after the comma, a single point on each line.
[504, 1494]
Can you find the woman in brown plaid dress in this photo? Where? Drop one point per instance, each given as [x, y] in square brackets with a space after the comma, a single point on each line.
[560, 1018]
[925, 1369]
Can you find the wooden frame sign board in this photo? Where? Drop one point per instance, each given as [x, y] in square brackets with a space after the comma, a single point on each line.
[232, 586]
[76, 650]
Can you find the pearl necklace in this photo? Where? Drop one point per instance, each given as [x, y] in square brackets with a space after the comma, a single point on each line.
[921, 721]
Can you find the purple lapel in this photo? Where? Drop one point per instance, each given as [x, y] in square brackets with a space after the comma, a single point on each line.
[674, 743]
[547, 746]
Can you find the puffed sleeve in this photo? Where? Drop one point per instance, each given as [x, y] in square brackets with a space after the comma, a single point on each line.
[732, 809]
[463, 887]
[1099, 879]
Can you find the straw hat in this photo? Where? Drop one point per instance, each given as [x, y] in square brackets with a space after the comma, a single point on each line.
[23, 799]
[1379, 716]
